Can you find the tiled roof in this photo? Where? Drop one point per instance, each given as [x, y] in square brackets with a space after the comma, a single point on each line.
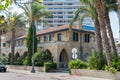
[21, 37]
[56, 29]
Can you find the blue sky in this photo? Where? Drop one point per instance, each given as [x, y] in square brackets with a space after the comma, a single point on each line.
[114, 24]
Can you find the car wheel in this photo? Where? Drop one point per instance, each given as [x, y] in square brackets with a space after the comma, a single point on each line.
[4, 70]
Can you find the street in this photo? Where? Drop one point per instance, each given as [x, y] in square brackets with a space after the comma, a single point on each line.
[16, 76]
[26, 75]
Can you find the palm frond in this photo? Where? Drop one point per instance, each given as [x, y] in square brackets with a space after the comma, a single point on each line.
[76, 16]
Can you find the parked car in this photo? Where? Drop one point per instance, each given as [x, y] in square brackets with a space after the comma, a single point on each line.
[2, 67]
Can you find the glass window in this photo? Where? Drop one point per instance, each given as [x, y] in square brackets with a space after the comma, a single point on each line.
[49, 39]
[45, 39]
[38, 39]
[59, 37]
[15, 44]
[4, 44]
[75, 36]
[19, 43]
[87, 37]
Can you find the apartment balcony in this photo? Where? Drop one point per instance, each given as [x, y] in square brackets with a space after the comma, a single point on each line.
[61, 1]
[62, 6]
[62, 19]
[62, 10]
[67, 14]
[57, 23]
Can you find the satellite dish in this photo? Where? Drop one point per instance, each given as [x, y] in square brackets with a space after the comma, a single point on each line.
[74, 55]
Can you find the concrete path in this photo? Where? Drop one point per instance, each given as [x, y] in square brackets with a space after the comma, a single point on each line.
[54, 76]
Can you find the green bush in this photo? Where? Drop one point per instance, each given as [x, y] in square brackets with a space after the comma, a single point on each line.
[115, 62]
[49, 66]
[4, 59]
[97, 61]
[110, 69]
[41, 57]
[40, 64]
[19, 61]
[77, 64]
[27, 61]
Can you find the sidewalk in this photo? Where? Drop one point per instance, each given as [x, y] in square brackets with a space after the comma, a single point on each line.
[54, 76]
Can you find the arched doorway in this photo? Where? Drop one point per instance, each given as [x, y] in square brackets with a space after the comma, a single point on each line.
[16, 56]
[3, 54]
[49, 55]
[48, 51]
[24, 54]
[63, 59]
[9, 58]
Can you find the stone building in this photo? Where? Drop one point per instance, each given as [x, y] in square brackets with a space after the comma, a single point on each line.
[59, 42]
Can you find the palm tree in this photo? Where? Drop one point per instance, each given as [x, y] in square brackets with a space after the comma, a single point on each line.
[5, 3]
[34, 11]
[110, 6]
[14, 22]
[90, 11]
[100, 7]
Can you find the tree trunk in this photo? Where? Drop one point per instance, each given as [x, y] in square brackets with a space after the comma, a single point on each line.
[114, 50]
[100, 7]
[98, 36]
[13, 46]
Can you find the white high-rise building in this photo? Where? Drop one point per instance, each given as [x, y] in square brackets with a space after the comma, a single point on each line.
[62, 11]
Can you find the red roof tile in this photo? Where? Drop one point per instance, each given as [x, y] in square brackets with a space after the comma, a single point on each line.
[21, 37]
[52, 29]
[55, 29]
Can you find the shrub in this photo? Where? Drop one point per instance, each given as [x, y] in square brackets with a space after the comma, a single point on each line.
[110, 69]
[77, 64]
[97, 61]
[49, 66]
[19, 61]
[115, 62]
[27, 62]
[4, 59]
[40, 64]
[41, 57]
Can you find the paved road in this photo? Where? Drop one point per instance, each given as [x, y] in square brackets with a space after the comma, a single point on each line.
[26, 75]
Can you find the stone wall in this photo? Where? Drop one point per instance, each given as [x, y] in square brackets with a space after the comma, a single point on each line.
[95, 73]
[55, 47]
[38, 69]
